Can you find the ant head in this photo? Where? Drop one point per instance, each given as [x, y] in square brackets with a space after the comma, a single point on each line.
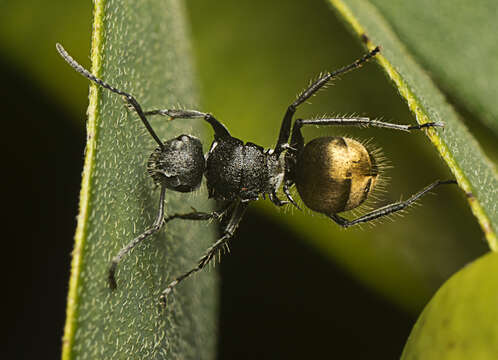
[179, 164]
[335, 174]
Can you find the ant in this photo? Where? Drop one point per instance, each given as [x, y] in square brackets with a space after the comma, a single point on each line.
[331, 174]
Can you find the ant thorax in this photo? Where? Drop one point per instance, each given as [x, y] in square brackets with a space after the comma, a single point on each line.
[235, 170]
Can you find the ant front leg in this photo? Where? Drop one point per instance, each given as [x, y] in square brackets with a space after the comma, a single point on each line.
[388, 209]
[220, 130]
[158, 224]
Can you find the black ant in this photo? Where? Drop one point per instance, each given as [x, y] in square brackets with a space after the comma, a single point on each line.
[331, 174]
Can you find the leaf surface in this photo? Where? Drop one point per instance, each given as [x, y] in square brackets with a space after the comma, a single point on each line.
[141, 48]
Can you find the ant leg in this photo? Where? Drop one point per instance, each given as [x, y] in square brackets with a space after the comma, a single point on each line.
[197, 215]
[275, 200]
[285, 128]
[219, 129]
[287, 193]
[211, 252]
[360, 121]
[158, 224]
[129, 98]
[388, 209]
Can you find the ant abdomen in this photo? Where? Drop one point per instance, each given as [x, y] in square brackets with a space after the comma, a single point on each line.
[335, 174]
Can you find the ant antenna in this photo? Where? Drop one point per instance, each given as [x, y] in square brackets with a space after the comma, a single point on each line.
[129, 98]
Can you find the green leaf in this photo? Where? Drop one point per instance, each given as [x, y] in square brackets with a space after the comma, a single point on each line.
[142, 48]
[460, 321]
[475, 174]
[456, 40]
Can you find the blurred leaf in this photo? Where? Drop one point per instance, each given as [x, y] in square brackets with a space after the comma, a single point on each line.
[26, 42]
[456, 40]
[460, 322]
[475, 174]
[141, 48]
